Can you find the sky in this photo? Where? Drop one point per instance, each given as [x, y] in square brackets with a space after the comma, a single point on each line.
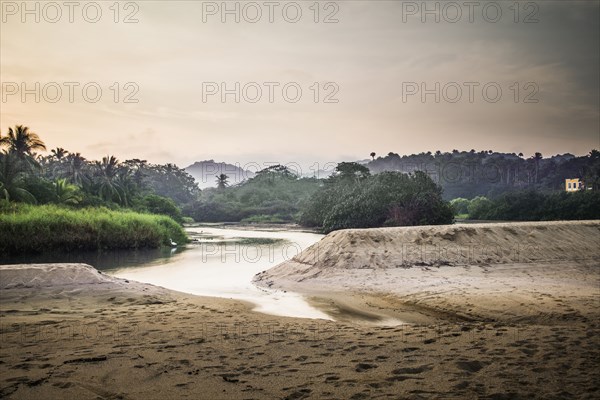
[359, 77]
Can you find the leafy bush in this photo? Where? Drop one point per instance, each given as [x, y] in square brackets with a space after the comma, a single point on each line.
[479, 207]
[41, 189]
[188, 220]
[385, 199]
[460, 205]
[161, 205]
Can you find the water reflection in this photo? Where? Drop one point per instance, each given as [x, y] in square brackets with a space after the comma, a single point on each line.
[222, 263]
[101, 260]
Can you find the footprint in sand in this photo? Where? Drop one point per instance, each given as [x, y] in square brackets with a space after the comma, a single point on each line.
[402, 374]
[361, 367]
[470, 366]
[299, 394]
[412, 371]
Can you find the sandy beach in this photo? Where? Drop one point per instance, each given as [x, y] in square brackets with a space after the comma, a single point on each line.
[488, 328]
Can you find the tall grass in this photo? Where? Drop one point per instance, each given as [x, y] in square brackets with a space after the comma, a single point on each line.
[28, 229]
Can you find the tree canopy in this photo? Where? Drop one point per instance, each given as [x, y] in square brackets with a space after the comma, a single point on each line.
[67, 178]
[356, 199]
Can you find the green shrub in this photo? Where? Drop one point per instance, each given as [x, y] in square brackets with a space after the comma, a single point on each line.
[479, 208]
[161, 205]
[188, 220]
[385, 199]
[460, 205]
[41, 189]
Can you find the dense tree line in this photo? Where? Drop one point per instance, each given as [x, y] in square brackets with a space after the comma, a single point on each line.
[274, 195]
[64, 177]
[350, 198]
[486, 173]
[389, 191]
[533, 205]
[353, 198]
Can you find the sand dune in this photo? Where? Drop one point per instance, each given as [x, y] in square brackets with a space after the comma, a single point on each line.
[510, 271]
[473, 244]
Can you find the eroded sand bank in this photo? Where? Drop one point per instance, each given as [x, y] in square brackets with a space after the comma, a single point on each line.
[514, 272]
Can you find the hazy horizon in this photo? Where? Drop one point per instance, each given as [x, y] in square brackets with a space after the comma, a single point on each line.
[373, 55]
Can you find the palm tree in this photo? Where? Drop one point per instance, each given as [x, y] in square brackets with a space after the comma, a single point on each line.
[66, 193]
[75, 169]
[59, 153]
[106, 174]
[126, 185]
[536, 159]
[222, 181]
[373, 155]
[23, 143]
[138, 168]
[54, 164]
[12, 180]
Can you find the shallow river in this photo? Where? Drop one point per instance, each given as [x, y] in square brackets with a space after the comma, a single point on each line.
[222, 262]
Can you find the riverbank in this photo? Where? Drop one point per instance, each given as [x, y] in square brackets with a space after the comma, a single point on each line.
[28, 229]
[71, 332]
[536, 271]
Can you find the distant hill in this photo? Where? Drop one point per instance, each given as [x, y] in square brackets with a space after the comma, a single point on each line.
[205, 173]
[460, 173]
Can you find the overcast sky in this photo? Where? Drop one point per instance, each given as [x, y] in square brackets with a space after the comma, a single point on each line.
[376, 56]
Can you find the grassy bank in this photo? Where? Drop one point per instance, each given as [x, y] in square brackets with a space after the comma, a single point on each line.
[28, 229]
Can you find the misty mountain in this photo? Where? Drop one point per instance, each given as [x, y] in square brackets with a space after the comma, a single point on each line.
[205, 173]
